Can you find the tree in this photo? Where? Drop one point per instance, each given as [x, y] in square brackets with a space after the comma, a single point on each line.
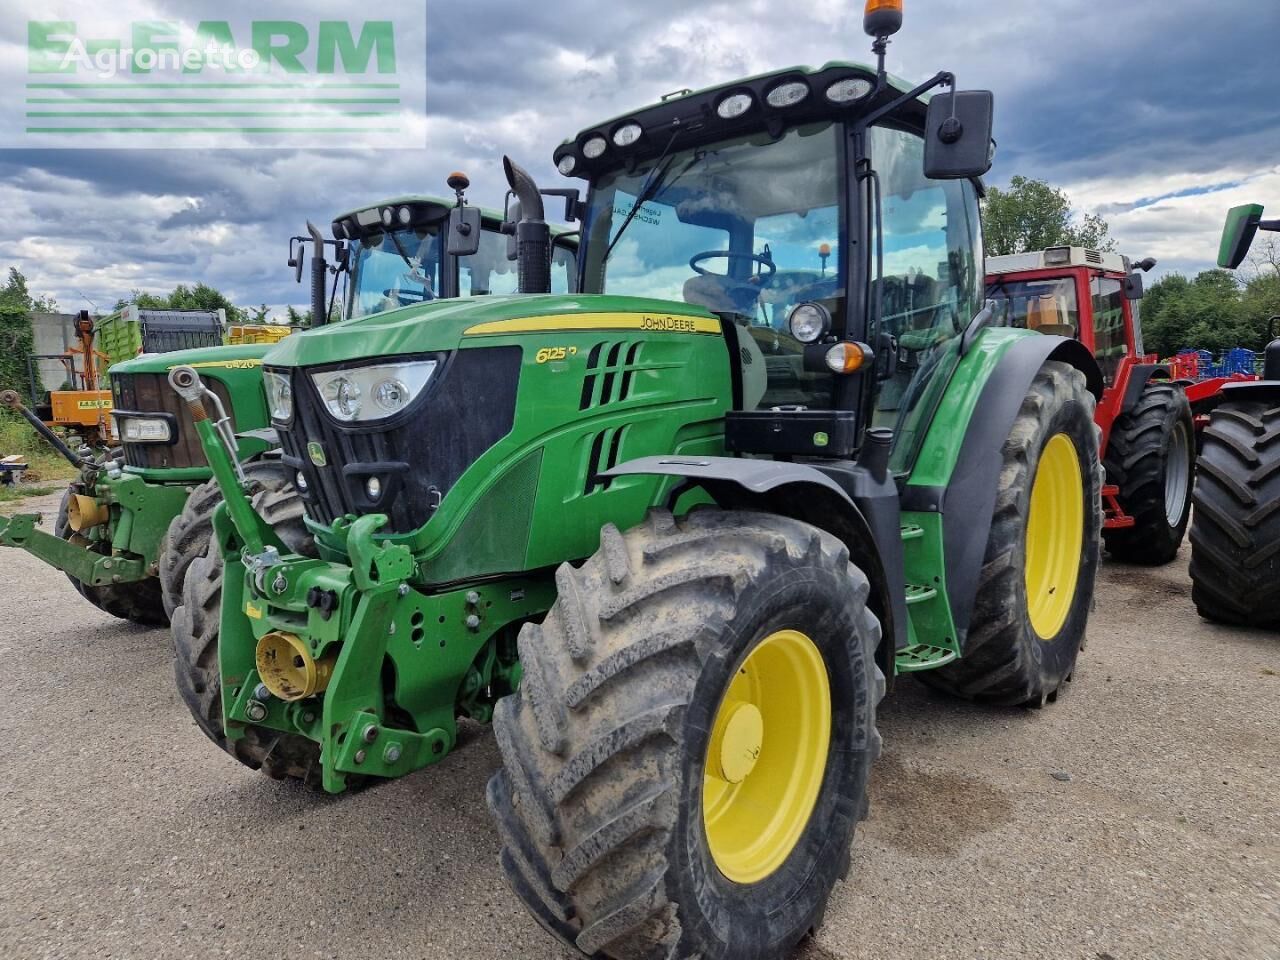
[16, 293]
[17, 339]
[1032, 215]
[1215, 312]
[260, 315]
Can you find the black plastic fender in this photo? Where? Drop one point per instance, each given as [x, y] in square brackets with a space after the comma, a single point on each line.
[968, 500]
[1266, 391]
[1139, 375]
[844, 499]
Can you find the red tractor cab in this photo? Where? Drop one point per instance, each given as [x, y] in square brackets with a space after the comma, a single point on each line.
[1145, 415]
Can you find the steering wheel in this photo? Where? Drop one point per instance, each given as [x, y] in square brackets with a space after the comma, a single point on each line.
[696, 260]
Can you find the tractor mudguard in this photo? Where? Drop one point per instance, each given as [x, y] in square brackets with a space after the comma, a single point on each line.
[842, 498]
[1139, 375]
[967, 501]
[1264, 390]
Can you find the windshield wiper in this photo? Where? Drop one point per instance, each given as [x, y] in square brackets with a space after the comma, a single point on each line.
[657, 180]
[400, 250]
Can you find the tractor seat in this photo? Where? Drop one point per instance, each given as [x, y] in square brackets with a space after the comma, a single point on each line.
[722, 294]
[1057, 329]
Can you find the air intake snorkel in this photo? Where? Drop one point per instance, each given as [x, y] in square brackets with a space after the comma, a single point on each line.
[533, 235]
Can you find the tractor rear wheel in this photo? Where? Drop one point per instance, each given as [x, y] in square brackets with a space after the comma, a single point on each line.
[187, 538]
[195, 636]
[1235, 535]
[1036, 585]
[138, 601]
[688, 753]
[1151, 458]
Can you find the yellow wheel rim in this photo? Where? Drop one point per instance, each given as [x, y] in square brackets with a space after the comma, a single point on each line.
[767, 756]
[1055, 536]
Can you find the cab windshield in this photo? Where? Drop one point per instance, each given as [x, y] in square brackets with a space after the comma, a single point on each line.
[394, 269]
[1049, 306]
[748, 227]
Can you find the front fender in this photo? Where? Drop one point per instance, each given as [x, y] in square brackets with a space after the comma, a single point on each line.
[841, 498]
[963, 490]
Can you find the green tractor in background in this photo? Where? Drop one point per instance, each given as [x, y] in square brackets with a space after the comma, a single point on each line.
[675, 534]
[1235, 530]
[130, 525]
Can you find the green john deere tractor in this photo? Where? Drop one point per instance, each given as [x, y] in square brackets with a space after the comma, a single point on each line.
[130, 525]
[677, 533]
[1235, 530]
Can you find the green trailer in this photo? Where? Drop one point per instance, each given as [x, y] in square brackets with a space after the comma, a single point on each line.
[136, 517]
[676, 533]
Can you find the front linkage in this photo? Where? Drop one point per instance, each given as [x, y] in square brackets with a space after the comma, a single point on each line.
[343, 650]
[117, 514]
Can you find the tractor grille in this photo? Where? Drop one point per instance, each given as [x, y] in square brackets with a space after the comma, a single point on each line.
[417, 455]
[151, 393]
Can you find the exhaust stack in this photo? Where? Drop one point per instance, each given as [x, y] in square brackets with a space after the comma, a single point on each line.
[533, 235]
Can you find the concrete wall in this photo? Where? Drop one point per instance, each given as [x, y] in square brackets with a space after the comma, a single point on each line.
[54, 333]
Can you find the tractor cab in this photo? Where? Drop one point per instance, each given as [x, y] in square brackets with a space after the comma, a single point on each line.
[798, 206]
[1072, 292]
[397, 256]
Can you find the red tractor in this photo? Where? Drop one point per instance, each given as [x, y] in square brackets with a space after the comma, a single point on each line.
[1148, 414]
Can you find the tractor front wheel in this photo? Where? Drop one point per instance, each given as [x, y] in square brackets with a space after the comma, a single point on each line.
[1151, 459]
[138, 601]
[1036, 585]
[688, 753]
[1235, 535]
[187, 538]
[196, 622]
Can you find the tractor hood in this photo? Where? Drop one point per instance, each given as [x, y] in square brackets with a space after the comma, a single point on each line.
[444, 325]
[242, 357]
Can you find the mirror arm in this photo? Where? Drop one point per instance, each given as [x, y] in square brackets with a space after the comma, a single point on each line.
[943, 78]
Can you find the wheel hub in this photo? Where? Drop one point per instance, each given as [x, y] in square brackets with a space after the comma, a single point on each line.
[767, 756]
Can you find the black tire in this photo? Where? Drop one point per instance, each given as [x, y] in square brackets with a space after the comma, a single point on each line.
[1151, 458]
[195, 638]
[187, 538]
[138, 601]
[1005, 660]
[1235, 534]
[599, 801]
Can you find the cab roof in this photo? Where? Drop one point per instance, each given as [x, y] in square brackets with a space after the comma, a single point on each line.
[1055, 258]
[687, 117]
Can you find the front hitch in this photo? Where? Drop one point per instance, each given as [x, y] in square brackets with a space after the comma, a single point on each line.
[220, 449]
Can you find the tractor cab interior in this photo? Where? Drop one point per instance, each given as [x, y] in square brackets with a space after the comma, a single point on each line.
[749, 227]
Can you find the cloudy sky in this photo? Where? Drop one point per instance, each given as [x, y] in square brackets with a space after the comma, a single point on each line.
[1158, 114]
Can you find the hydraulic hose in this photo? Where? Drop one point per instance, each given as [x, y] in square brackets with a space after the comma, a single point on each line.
[10, 400]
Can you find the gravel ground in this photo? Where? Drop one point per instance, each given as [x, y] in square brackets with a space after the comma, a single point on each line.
[1139, 817]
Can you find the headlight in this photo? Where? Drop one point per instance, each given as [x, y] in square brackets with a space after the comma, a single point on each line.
[595, 147]
[734, 105]
[279, 395]
[143, 429]
[568, 163]
[787, 94]
[372, 393]
[627, 134]
[849, 90]
[809, 322]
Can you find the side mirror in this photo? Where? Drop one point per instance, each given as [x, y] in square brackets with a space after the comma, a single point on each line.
[1133, 286]
[297, 254]
[957, 144]
[510, 218]
[464, 231]
[1237, 235]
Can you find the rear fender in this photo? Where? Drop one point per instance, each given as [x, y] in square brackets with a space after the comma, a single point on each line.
[869, 527]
